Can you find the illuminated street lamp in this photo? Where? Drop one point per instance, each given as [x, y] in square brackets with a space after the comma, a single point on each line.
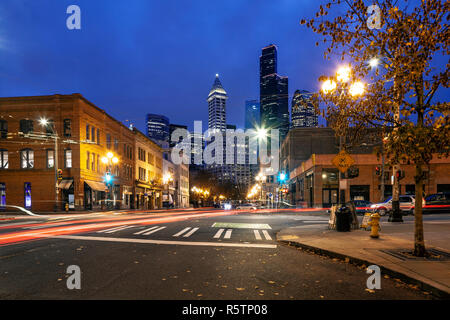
[357, 89]
[343, 74]
[328, 86]
[45, 123]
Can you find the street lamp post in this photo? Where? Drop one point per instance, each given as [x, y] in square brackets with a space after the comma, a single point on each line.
[45, 123]
[109, 160]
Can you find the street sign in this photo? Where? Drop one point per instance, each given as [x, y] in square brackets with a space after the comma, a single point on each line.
[343, 161]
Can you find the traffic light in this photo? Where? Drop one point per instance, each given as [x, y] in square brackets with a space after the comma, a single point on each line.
[59, 174]
[377, 170]
[400, 174]
[108, 177]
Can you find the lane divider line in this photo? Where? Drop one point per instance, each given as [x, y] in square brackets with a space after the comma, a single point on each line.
[190, 233]
[153, 231]
[218, 233]
[181, 232]
[145, 230]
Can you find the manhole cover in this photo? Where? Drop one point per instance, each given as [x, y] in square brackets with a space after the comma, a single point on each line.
[407, 254]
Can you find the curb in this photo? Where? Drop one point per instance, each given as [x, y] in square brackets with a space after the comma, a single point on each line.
[361, 262]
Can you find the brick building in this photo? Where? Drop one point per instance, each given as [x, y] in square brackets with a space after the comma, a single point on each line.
[148, 172]
[85, 134]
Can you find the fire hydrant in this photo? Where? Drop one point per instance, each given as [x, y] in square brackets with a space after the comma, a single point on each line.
[374, 223]
[67, 207]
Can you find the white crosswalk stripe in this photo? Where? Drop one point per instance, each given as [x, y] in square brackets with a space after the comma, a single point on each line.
[228, 234]
[145, 230]
[112, 230]
[190, 233]
[153, 231]
[181, 232]
[266, 234]
[218, 233]
[257, 235]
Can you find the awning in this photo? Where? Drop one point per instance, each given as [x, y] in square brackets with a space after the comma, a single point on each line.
[98, 186]
[65, 184]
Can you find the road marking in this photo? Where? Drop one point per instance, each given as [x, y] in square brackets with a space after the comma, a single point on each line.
[315, 221]
[145, 230]
[241, 225]
[111, 230]
[190, 233]
[218, 233]
[257, 235]
[181, 232]
[228, 234]
[153, 231]
[266, 234]
[181, 243]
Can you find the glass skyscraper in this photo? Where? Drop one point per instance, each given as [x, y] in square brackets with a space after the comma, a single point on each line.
[303, 111]
[158, 129]
[274, 103]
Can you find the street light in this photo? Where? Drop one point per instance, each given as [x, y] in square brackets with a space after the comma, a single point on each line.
[343, 74]
[357, 89]
[109, 160]
[45, 123]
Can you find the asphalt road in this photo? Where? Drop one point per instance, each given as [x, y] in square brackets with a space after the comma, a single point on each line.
[201, 254]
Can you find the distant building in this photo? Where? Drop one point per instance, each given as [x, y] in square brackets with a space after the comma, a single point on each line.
[172, 128]
[217, 106]
[303, 111]
[252, 114]
[158, 129]
[274, 103]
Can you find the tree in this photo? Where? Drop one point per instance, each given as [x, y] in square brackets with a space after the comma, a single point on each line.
[411, 45]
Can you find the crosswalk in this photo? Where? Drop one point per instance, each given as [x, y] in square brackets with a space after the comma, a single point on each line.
[187, 232]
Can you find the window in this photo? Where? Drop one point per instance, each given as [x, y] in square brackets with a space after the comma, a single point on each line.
[116, 144]
[26, 126]
[67, 128]
[50, 158]
[50, 127]
[142, 174]
[98, 163]
[68, 158]
[108, 141]
[87, 160]
[93, 162]
[93, 134]
[4, 159]
[27, 159]
[27, 194]
[98, 136]
[3, 129]
[87, 132]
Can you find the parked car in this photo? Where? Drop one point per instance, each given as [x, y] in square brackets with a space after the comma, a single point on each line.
[246, 206]
[437, 203]
[407, 203]
[362, 206]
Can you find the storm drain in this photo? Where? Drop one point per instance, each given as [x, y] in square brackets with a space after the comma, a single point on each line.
[407, 254]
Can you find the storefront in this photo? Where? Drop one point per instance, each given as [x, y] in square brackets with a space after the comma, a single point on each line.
[94, 195]
[67, 193]
[127, 195]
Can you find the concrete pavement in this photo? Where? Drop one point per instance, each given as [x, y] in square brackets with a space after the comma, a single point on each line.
[388, 252]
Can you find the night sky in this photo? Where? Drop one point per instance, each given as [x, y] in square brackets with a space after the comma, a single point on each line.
[145, 56]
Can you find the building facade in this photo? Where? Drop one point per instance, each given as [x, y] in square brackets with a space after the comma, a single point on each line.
[217, 99]
[147, 191]
[69, 133]
[303, 113]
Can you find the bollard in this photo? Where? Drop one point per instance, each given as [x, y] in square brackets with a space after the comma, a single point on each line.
[375, 225]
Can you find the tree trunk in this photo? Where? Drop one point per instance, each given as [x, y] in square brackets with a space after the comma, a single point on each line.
[419, 242]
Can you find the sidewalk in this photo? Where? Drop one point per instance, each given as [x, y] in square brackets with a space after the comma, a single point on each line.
[387, 252]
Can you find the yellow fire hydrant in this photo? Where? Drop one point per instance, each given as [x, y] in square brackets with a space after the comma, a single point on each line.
[67, 207]
[374, 223]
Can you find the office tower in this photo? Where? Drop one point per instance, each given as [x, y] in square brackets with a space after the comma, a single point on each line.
[216, 106]
[303, 111]
[172, 128]
[274, 104]
[158, 129]
[252, 114]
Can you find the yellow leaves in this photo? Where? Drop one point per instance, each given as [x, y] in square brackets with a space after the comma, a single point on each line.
[370, 290]
[240, 289]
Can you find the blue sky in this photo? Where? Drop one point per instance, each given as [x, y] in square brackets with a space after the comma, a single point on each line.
[146, 56]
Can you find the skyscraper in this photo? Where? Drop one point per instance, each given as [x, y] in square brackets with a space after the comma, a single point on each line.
[274, 103]
[158, 129]
[216, 106]
[252, 114]
[303, 111]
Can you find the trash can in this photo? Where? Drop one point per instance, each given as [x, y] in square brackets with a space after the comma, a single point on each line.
[343, 219]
